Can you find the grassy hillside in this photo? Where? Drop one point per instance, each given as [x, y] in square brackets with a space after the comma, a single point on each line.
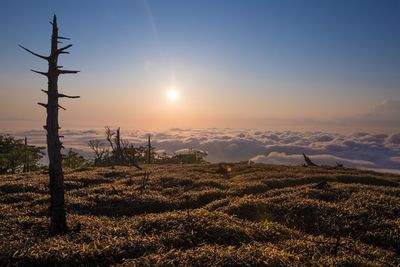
[193, 215]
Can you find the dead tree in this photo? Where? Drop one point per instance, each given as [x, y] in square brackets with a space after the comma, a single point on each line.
[123, 153]
[149, 151]
[58, 222]
[119, 155]
[99, 151]
[115, 143]
[308, 161]
[109, 137]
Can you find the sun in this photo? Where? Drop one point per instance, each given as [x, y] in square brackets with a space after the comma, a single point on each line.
[172, 94]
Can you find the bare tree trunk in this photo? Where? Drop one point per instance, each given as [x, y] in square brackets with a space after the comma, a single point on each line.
[58, 223]
[118, 145]
[149, 151]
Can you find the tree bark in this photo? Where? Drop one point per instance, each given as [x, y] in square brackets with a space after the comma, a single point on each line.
[58, 222]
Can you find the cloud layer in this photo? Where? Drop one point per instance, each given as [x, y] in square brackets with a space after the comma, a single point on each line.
[360, 150]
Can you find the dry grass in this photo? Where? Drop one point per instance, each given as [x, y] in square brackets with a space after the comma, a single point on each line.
[193, 215]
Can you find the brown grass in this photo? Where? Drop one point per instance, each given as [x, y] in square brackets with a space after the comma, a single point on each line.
[192, 215]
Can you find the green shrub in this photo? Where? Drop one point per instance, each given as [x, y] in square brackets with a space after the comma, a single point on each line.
[17, 156]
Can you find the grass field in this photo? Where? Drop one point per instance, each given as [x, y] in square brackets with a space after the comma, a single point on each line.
[194, 215]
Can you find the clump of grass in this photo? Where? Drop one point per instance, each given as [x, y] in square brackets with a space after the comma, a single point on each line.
[190, 215]
[255, 254]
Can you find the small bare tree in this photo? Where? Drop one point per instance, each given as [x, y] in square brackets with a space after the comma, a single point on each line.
[99, 151]
[58, 222]
[122, 152]
[115, 143]
[110, 137]
[118, 147]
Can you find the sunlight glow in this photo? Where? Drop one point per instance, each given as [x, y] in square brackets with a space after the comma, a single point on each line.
[172, 94]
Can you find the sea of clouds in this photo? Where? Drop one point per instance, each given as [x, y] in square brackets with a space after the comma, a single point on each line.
[359, 150]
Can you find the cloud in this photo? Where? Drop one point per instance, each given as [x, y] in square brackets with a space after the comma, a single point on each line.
[394, 139]
[360, 149]
[322, 159]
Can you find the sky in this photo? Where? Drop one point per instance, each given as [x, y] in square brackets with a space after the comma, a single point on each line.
[329, 66]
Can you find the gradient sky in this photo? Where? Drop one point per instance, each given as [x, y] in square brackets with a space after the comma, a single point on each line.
[308, 65]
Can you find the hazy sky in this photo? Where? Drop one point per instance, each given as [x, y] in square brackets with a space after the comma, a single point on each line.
[308, 65]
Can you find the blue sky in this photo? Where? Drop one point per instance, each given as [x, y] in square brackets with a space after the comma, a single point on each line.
[231, 61]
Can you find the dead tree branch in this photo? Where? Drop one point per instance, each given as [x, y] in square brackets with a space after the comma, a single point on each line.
[308, 161]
